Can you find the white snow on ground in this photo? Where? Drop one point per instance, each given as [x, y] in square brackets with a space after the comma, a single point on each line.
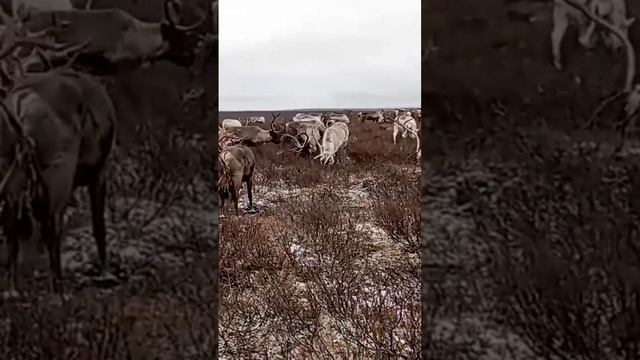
[273, 195]
[130, 245]
[354, 196]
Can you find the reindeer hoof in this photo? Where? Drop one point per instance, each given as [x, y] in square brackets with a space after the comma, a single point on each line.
[251, 210]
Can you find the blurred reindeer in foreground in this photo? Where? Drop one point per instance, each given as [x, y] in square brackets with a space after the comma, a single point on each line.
[57, 124]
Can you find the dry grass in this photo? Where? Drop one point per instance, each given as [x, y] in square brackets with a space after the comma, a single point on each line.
[329, 265]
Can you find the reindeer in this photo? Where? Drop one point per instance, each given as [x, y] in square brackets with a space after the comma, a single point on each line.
[413, 131]
[302, 133]
[335, 139]
[312, 132]
[235, 165]
[305, 117]
[57, 132]
[229, 123]
[253, 120]
[254, 135]
[331, 118]
[300, 146]
[377, 116]
[120, 42]
[407, 123]
[19, 7]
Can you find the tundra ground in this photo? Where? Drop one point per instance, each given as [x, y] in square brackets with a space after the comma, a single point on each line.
[529, 218]
[327, 264]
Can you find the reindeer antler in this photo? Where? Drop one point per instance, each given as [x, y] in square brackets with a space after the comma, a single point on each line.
[629, 50]
[228, 139]
[15, 36]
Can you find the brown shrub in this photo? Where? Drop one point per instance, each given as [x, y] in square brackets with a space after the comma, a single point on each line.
[393, 211]
[306, 278]
[560, 236]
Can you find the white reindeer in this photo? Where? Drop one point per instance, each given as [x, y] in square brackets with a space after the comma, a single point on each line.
[414, 133]
[229, 123]
[256, 120]
[335, 139]
[407, 124]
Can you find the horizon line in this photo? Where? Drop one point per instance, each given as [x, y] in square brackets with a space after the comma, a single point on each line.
[323, 108]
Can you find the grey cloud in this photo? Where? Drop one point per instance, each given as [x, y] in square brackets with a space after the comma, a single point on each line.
[323, 65]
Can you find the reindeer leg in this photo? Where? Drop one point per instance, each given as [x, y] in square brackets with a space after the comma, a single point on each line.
[97, 195]
[395, 134]
[58, 183]
[221, 198]
[235, 193]
[560, 25]
[13, 242]
[12, 263]
[235, 203]
[250, 192]
[344, 153]
[51, 231]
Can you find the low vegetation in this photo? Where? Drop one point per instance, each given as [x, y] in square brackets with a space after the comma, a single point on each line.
[327, 264]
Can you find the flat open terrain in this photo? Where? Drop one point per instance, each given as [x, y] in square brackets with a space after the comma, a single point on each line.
[529, 217]
[327, 264]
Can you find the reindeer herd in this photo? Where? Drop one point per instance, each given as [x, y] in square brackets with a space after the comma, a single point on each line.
[57, 120]
[324, 136]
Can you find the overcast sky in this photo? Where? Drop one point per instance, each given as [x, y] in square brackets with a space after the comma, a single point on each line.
[286, 54]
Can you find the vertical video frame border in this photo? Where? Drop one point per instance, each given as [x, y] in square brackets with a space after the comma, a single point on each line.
[108, 113]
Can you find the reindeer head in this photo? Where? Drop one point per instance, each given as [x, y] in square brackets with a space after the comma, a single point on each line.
[276, 134]
[184, 42]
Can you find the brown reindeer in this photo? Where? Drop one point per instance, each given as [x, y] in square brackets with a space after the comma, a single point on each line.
[235, 165]
[57, 129]
[120, 42]
[254, 135]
